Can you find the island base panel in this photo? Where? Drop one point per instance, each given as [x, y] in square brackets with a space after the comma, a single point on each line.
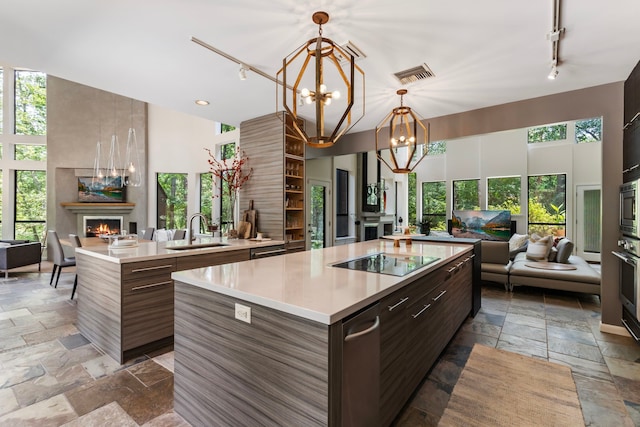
[273, 371]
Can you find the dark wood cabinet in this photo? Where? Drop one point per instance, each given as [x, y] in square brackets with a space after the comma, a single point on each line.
[631, 130]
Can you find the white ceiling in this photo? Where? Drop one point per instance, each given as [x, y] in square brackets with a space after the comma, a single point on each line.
[483, 53]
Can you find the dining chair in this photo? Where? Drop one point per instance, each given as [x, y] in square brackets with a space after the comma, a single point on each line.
[148, 233]
[179, 234]
[59, 260]
[75, 243]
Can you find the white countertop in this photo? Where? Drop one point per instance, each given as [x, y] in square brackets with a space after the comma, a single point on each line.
[306, 285]
[148, 250]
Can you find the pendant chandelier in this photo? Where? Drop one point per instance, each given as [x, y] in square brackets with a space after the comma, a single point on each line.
[407, 141]
[132, 168]
[329, 84]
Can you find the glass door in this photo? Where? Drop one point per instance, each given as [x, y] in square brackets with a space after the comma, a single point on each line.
[588, 220]
[319, 225]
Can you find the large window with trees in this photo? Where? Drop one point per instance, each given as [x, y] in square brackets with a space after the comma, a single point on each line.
[172, 200]
[547, 204]
[589, 130]
[503, 193]
[23, 153]
[557, 132]
[434, 204]
[206, 199]
[413, 195]
[466, 194]
[31, 204]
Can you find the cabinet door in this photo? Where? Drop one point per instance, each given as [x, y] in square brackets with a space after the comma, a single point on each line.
[392, 344]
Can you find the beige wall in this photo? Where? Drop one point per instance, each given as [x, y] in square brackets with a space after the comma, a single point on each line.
[77, 116]
[605, 101]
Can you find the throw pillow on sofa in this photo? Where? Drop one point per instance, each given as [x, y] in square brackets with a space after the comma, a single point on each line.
[565, 249]
[539, 247]
[516, 241]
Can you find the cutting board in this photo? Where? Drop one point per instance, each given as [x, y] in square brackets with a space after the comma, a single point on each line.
[251, 216]
[244, 229]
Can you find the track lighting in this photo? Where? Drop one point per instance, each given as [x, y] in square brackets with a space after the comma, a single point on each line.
[554, 72]
[242, 74]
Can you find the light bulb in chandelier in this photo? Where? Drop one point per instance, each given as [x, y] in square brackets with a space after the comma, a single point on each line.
[133, 177]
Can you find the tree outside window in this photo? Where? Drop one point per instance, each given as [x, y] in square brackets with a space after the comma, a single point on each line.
[206, 200]
[30, 103]
[504, 194]
[466, 195]
[172, 200]
[31, 204]
[434, 204]
[589, 130]
[31, 152]
[547, 204]
[547, 133]
[436, 148]
[413, 195]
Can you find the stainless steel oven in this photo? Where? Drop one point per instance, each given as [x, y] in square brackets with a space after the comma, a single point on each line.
[629, 289]
[629, 200]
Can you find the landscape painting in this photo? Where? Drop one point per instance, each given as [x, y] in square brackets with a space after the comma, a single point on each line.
[105, 190]
[485, 225]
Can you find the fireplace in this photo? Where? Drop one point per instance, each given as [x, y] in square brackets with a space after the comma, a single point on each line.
[94, 226]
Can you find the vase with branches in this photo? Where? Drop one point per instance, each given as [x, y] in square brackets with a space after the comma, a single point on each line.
[232, 174]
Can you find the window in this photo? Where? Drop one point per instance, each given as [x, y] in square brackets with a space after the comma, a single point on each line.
[206, 199]
[466, 195]
[1, 99]
[172, 200]
[504, 194]
[436, 147]
[434, 204]
[30, 103]
[547, 202]
[589, 130]
[547, 133]
[31, 204]
[227, 151]
[413, 195]
[31, 152]
[342, 203]
[226, 128]
[226, 211]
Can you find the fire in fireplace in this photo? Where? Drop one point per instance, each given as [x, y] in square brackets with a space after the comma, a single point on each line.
[95, 226]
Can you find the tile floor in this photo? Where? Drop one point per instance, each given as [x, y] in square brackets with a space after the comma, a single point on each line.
[50, 375]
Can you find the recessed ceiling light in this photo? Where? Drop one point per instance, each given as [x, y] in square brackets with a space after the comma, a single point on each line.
[202, 102]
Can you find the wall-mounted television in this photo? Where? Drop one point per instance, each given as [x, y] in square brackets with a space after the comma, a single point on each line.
[485, 225]
[103, 190]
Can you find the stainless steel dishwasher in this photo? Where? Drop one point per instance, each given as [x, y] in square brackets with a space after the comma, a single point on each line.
[361, 368]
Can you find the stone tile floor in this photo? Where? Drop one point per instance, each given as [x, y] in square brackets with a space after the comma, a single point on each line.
[50, 375]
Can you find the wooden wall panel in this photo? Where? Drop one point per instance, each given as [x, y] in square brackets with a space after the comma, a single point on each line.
[262, 139]
[274, 371]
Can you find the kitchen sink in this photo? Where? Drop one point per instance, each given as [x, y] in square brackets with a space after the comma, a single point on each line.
[197, 246]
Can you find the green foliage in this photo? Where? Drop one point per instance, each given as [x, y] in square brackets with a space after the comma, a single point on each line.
[434, 204]
[413, 195]
[504, 194]
[31, 103]
[227, 151]
[173, 186]
[436, 147]
[31, 204]
[206, 199]
[547, 133]
[466, 194]
[226, 128]
[31, 152]
[317, 216]
[589, 130]
[547, 195]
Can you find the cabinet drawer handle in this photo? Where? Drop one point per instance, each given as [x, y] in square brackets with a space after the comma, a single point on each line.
[153, 285]
[402, 301]
[452, 269]
[160, 267]
[439, 295]
[372, 328]
[425, 308]
[633, 167]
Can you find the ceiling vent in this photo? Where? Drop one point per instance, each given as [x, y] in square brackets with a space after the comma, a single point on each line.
[421, 72]
[352, 49]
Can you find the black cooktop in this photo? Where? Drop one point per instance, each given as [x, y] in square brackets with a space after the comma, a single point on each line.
[393, 264]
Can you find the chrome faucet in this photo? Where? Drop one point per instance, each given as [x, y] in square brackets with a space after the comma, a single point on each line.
[190, 236]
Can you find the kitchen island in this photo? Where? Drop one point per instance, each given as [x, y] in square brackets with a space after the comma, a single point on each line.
[125, 303]
[295, 340]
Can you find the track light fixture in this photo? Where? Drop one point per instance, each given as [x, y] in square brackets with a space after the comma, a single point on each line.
[554, 71]
[242, 74]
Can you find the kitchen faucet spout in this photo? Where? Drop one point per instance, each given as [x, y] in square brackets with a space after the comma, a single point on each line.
[190, 235]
